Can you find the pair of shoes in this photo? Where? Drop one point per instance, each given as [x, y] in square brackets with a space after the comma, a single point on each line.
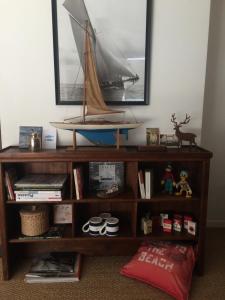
[111, 192]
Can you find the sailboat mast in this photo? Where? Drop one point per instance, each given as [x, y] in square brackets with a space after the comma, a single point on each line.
[85, 70]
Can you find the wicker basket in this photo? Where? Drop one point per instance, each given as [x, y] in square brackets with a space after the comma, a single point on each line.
[34, 220]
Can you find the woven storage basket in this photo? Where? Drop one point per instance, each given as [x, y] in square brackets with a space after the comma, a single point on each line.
[34, 220]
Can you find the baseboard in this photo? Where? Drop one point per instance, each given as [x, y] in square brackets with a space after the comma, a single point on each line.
[216, 223]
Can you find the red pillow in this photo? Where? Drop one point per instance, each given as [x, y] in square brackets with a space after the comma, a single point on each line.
[163, 265]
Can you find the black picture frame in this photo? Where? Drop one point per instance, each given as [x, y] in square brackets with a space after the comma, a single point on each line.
[144, 88]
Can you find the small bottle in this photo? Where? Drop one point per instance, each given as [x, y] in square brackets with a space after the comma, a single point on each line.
[35, 143]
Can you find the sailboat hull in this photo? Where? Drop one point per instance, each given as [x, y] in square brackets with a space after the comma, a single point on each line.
[102, 137]
[98, 134]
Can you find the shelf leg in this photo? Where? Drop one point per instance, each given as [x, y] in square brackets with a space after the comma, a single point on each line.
[74, 139]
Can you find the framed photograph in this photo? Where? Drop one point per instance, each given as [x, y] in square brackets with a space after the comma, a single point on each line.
[120, 31]
[102, 175]
[169, 140]
[152, 136]
[25, 133]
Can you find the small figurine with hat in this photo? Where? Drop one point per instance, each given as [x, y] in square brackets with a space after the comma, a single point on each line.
[168, 180]
[183, 185]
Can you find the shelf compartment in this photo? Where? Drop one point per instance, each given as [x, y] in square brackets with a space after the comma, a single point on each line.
[129, 181]
[194, 169]
[123, 211]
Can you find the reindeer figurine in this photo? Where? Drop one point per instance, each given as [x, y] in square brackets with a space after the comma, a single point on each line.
[183, 136]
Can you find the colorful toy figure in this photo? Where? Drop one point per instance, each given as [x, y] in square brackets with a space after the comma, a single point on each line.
[183, 185]
[168, 180]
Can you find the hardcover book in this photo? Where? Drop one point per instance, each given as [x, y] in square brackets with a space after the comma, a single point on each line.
[148, 183]
[102, 175]
[10, 178]
[41, 181]
[38, 195]
[25, 133]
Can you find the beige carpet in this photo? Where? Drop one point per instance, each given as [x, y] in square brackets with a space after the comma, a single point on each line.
[101, 280]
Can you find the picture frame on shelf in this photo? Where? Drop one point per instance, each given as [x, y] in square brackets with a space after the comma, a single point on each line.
[152, 136]
[102, 175]
[25, 134]
[121, 48]
[169, 140]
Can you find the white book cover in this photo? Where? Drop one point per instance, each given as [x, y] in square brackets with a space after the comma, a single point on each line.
[148, 184]
[49, 136]
[38, 194]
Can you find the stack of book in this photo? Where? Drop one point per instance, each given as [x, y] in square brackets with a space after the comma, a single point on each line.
[55, 267]
[145, 183]
[40, 187]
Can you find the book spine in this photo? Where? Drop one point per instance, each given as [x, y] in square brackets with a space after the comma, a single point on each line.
[9, 186]
[76, 184]
[141, 184]
[80, 183]
[148, 184]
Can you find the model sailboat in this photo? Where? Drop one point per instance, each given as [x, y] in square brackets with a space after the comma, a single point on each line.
[97, 131]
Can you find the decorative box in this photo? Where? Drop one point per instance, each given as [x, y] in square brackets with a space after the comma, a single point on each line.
[186, 219]
[177, 222]
[167, 225]
[34, 220]
[192, 227]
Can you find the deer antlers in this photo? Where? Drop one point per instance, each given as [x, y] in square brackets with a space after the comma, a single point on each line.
[186, 120]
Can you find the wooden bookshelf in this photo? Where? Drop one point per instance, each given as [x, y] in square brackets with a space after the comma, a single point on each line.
[127, 206]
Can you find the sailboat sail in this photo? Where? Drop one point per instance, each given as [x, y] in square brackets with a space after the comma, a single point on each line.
[109, 67]
[94, 99]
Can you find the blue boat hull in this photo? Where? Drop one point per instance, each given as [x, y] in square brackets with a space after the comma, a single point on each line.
[103, 136]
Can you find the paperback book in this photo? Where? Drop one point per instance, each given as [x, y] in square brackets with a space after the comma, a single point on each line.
[38, 195]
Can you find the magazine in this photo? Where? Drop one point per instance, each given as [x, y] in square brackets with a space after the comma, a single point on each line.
[55, 267]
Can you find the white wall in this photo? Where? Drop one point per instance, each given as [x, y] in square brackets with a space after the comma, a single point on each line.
[179, 48]
[213, 134]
